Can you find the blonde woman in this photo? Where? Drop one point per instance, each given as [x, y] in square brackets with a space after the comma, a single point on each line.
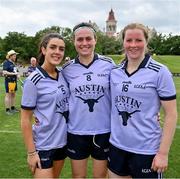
[139, 87]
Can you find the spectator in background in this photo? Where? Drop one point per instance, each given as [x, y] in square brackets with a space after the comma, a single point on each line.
[11, 75]
[33, 65]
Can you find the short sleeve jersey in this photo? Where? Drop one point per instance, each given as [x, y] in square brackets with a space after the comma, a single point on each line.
[136, 103]
[89, 103]
[10, 67]
[31, 69]
[48, 98]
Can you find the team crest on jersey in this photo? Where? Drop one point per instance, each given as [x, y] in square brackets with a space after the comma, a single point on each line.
[126, 107]
[89, 94]
[62, 103]
[62, 108]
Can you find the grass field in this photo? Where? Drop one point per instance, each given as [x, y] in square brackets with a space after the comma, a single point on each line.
[173, 62]
[13, 155]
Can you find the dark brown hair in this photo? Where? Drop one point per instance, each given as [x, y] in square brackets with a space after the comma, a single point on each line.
[84, 24]
[44, 42]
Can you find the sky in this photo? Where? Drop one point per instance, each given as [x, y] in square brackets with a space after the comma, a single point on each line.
[31, 16]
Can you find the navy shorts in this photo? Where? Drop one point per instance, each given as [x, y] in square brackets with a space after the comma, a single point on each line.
[124, 163]
[82, 146]
[7, 80]
[48, 156]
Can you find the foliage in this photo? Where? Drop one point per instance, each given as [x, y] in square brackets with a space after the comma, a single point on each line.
[27, 46]
[21, 43]
[108, 45]
[165, 45]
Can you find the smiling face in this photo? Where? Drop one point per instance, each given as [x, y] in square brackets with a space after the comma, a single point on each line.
[84, 41]
[135, 44]
[54, 52]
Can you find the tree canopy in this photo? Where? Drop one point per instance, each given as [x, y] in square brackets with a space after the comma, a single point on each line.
[27, 46]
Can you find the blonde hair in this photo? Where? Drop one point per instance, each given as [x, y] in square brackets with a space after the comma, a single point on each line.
[136, 26]
[141, 27]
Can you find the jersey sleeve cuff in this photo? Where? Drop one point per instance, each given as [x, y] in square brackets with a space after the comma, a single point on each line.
[28, 107]
[169, 98]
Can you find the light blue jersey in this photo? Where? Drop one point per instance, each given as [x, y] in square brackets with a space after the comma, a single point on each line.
[48, 98]
[136, 103]
[89, 103]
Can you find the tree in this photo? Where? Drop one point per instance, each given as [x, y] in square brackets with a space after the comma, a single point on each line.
[27, 46]
[172, 44]
[165, 44]
[18, 42]
[108, 45]
[66, 33]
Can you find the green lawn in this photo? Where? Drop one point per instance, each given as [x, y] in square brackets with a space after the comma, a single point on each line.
[173, 62]
[13, 155]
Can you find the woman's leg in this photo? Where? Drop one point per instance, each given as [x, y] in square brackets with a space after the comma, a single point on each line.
[99, 168]
[43, 173]
[79, 168]
[57, 168]
[113, 175]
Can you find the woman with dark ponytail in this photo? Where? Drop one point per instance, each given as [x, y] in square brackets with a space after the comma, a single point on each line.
[45, 96]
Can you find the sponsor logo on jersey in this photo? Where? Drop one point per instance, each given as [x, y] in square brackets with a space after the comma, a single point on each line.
[141, 86]
[45, 159]
[71, 150]
[106, 150]
[88, 73]
[146, 170]
[102, 75]
[127, 82]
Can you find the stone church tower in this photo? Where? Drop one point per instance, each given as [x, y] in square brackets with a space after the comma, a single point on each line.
[111, 24]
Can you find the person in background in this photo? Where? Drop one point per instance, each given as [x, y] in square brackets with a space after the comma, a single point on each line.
[33, 65]
[11, 75]
[139, 148]
[89, 104]
[67, 59]
[45, 95]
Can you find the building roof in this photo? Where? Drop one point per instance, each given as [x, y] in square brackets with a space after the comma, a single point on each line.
[111, 16]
